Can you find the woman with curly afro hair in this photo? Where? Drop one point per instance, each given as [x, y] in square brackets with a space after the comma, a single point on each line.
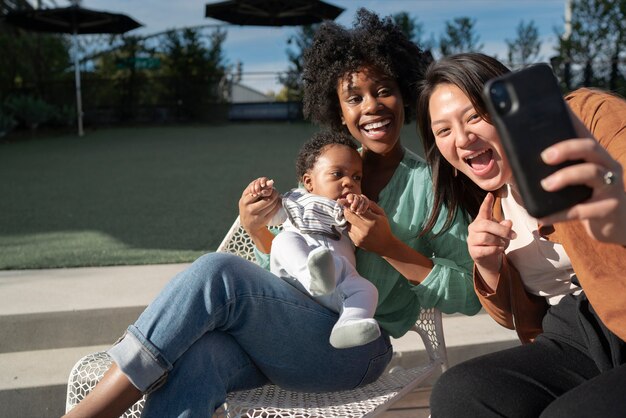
[226, 324]
[364, 81]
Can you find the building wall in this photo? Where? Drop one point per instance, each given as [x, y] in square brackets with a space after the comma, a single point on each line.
[245, 94]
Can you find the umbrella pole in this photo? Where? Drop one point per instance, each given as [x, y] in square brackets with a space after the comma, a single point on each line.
[79, 101]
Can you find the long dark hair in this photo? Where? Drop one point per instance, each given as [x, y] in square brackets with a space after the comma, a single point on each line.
[469, 72]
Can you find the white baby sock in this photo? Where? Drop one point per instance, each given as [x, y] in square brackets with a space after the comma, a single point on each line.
[354, 332]
[321, 266]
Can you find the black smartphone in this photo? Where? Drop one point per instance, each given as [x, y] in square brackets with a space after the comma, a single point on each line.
[529, 113]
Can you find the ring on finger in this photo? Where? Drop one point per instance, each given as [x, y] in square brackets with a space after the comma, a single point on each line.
[609, 178]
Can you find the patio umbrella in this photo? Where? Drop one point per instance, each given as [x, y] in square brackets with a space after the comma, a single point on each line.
[272, 12]
[74, 20]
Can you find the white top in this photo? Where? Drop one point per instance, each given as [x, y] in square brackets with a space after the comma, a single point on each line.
[545, 268]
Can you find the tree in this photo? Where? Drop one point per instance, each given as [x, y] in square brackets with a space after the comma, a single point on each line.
[30, 60]
[459, 37]
[121, 67]
[524, 49]
[194, 68]
[413, 29]
[291, 79]
[180, 69]
[186, 54]
[283, 95]
[593, 52]
[617, 82]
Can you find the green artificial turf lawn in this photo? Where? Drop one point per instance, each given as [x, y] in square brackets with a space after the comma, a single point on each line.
[136, 195]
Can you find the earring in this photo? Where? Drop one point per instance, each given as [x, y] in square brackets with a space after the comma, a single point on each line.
[455, 172]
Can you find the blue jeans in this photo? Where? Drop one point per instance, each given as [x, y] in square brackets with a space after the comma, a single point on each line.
[226, 324]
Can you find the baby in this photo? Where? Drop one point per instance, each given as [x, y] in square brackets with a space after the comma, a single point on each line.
[314, 252]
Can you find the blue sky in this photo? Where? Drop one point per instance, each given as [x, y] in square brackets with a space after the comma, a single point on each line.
[262, 49]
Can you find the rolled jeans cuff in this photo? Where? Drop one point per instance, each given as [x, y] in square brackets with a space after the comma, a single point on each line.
[140, 361]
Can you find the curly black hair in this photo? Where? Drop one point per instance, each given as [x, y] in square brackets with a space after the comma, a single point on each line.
[337, 51]
[312, 149]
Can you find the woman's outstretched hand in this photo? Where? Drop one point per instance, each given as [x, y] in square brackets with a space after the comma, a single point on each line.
[258, 203]
[487, 239]
[604, 213]
[370, 230]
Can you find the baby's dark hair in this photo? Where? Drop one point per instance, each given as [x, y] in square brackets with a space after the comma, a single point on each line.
[312, 149]
[337, 51]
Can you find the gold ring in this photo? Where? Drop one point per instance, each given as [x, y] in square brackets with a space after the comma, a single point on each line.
[608, 178]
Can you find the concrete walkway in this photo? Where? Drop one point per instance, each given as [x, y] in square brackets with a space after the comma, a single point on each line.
[51, 318]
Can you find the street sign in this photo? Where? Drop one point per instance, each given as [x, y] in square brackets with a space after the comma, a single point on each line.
[139, 63]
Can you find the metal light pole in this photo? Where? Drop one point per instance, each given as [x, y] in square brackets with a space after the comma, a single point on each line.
[566, 35]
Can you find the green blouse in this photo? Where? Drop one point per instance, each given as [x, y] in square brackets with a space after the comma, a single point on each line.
[449, 287]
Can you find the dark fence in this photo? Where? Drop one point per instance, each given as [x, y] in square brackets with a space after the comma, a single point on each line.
[143, 100]
[289, 111]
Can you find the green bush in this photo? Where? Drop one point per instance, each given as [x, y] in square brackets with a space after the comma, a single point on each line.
[31, 111]
[6, 123]
[64, 116]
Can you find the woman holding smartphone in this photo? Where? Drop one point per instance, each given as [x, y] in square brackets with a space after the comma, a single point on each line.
[558, 281]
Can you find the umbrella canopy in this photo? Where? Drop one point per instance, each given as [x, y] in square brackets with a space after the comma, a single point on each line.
[272, 12]
[74, 20]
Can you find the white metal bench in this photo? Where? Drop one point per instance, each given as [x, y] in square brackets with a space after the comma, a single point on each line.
[272, 401]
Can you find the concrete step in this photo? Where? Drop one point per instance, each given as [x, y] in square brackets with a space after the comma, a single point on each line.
[33, 383]
[51, 318]
[56, 308]
[87, 288]
[26, 368]
[41, 331]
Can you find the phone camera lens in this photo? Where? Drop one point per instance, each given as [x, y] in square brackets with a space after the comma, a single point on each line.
[500, 98]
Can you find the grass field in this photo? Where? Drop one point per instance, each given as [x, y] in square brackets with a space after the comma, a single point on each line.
[136, 195]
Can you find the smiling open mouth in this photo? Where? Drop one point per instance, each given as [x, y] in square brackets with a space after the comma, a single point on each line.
[480, 160]
[377, 126]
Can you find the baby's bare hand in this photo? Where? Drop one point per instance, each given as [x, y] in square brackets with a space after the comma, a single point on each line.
[261, 187]
[357, 203]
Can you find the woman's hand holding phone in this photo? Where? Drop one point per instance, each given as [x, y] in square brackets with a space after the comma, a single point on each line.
[529, 112]
[604, 213]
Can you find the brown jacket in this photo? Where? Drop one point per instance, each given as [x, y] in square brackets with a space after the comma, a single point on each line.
[600, 268]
